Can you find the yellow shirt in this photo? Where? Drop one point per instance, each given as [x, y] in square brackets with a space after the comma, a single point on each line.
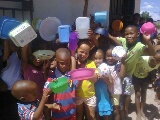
[86, 88]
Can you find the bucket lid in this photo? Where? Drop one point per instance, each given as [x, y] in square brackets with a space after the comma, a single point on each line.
[44, 54]
[49, 27]
[6, 26]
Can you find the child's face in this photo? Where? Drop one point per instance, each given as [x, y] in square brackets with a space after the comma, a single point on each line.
[63, 64]
[98, 58]
[131, 35]
[83, 52]
[53, 64]
[109, 59]
[36, 62]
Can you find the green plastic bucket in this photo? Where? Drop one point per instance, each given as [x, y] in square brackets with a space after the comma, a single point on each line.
[60, 85]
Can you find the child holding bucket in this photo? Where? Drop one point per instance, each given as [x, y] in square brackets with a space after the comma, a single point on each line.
[85, 91]
[66, 98]
[104, 106]
[141, 80]
[28, 106]
[134, 51]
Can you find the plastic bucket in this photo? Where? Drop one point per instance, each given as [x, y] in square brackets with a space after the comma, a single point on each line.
[82, 26]
[100, 17]
[60, 85]
[6, 25]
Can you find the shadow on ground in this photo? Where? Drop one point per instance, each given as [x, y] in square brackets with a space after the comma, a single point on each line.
[150, 110]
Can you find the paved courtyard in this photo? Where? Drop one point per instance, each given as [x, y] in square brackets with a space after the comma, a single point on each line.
[152, 109]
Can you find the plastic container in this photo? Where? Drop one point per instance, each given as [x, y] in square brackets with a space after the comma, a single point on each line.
[101, 31]
[60, 85]
[22, 34]
[118, 52]
[6, 25]
[36, 23]
[82, 27]
[44, 54]
[64, 31]
[103, 69]
[49, 28]
[100, 17]
[73, 40]
[117, 25]
[81, 73]
[148, 28]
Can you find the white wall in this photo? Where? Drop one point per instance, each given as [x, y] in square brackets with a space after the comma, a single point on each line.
[67, 10]
[137, 6]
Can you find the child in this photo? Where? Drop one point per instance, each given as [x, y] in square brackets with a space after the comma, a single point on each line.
[85, 91]
[66, 98]
[134, 49]
[117, 71]
[33, 70]
[157, 40]
[10, 73]
[104, 106]
[141, 80]
[29, 108]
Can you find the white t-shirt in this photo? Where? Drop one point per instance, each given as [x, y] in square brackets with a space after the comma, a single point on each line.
[12, 72]
[116, 88]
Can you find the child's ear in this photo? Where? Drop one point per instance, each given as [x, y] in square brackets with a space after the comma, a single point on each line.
[22, 98]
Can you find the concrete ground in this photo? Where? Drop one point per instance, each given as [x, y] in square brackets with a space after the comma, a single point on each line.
[152, 109]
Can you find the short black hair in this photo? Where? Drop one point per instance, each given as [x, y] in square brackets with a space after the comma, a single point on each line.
[132, 26]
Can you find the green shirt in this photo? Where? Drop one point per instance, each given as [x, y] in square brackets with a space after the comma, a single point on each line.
[142, 68]
[133, 55]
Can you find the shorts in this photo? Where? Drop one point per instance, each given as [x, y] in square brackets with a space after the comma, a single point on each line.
[126, 85]
[92, 101]
[140, 81]
[115, 99]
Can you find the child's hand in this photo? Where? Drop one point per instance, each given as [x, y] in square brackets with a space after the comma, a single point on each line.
[56, 106]
[46, 64]
[46, 94]
[146, 38]
[90, 33]
[123, 59]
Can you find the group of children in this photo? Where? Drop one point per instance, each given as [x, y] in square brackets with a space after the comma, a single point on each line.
[102, 97]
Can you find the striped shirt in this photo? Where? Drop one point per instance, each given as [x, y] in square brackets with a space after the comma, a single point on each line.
[26, 110]
[66, 99]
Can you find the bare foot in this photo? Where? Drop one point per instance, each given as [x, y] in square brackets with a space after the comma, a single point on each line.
[138, 117]
[143, 115]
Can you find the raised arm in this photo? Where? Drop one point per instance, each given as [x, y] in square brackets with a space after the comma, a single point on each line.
[114, 39]
[24, 56]
[38, 113]
[149, 49]
[6, 53]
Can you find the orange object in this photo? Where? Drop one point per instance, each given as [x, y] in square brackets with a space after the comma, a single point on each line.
[117, 25]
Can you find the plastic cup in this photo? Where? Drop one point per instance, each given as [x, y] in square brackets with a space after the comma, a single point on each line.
[73, 39]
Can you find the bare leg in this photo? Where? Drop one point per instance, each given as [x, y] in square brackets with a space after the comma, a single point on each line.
[137, 101]
[116, 112]
[90, 112]
[79, 112]
[143, 98]
[127, 101]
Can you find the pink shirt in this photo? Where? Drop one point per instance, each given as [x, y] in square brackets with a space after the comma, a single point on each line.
[31, 73]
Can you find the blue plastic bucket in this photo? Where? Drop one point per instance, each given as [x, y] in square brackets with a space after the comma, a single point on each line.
[100, 17]
[64, 32]
[6, 25]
